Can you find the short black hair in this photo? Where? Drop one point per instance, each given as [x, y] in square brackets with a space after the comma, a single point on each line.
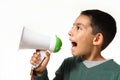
[102, 22]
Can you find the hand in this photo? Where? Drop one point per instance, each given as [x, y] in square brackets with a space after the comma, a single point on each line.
[36, 58]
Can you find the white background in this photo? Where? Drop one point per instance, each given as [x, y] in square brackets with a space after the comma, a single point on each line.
[48, 17]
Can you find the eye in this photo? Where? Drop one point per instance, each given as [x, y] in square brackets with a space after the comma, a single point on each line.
[78, 27]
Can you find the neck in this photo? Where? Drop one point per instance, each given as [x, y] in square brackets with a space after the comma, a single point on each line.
[95, 55]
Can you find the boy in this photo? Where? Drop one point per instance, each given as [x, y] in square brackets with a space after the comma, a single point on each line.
[92, 32]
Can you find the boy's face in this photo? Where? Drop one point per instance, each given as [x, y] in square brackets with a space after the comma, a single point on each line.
[81, 36]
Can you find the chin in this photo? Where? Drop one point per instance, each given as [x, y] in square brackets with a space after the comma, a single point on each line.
[74, 54]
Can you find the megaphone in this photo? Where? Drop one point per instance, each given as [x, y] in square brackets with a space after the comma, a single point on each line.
[32, 40]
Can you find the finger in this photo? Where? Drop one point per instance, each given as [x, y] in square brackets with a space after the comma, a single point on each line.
[34, 59]
[32, 62]
[37, 55]
[47, 54]
[44, 62]
[47, 57]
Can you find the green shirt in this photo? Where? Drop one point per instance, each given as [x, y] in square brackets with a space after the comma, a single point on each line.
[73, 69]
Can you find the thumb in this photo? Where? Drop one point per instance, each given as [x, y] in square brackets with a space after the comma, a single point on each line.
[44, 63]
[47, 57]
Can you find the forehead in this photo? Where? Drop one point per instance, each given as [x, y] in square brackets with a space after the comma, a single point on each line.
[83, 19]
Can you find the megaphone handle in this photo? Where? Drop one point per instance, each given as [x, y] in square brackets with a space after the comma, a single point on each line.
[42, 56]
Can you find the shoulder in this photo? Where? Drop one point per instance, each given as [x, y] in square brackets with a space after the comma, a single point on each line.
[112, 66]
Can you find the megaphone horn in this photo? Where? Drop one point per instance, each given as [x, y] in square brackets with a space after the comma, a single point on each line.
[32, 40]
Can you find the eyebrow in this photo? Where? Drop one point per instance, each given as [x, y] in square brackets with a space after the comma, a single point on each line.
[78, 24]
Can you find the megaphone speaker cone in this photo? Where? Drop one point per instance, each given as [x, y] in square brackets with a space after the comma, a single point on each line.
[58, 44]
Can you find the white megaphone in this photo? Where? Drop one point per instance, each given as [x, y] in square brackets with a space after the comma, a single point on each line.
[32, 40]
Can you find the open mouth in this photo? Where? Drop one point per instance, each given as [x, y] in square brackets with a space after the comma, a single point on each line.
[74, 44]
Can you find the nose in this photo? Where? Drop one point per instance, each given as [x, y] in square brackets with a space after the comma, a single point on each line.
[70, 33]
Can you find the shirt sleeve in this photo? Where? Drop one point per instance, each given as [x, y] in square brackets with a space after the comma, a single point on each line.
[63, 71]
[59, 73]
[44, 76]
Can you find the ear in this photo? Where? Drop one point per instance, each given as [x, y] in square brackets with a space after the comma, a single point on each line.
[98, 39]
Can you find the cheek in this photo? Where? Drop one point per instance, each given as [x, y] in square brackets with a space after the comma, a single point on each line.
[83, 49]
[85, 39]
[85, 45]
